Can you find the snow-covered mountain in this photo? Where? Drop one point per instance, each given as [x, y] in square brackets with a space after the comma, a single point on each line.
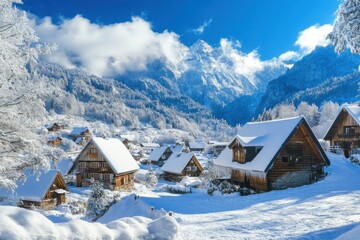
[73, 92]
[320, 76]
[211, 76]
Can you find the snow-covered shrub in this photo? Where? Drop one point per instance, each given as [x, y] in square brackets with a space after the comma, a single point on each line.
[151, 179]
[178, 189]
[225, 187]
[192, 182]
[98, 203]
[355, 158]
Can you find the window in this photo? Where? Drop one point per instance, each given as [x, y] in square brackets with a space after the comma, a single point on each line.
[285, 159]
[188, 169]
[163, 156]
[193, 168]
[93, 151]
[295, 150]
[239, 155]
[349, 130]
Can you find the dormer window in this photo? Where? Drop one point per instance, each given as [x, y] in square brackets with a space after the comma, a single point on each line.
[239, 155]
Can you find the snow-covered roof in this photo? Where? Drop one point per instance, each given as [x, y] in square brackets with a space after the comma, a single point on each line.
[116, 154]
[176, 148]
[65, 165]
[352, 109]
[78, 130]
[34, 189]
[79, 140]
[270, 135]
[177, 162]
[150, 145]
[157, 153]
[221, 143]
[53, 138]
[129, 137]
[197, 145]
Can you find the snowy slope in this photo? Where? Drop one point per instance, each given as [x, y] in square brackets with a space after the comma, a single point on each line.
[323, 210]
[319, 76]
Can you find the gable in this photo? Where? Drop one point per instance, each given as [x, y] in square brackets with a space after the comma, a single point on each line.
[114, 152]
[302, 137]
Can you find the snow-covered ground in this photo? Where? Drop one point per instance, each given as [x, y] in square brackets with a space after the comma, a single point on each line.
[323, 210]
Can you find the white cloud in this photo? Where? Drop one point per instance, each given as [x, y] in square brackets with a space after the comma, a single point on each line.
[312, 37]
[244, 64]
[200, 30]
[109, 50]
[289, 56]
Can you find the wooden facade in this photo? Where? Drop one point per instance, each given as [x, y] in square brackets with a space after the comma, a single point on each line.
[300, 161]
[54, 141]
[165, 156]
[192, 169]
[91, 164]
[55, 127]
[54, 196]
[344, 134]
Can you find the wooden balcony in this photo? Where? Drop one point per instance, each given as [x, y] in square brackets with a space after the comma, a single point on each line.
[349, 135]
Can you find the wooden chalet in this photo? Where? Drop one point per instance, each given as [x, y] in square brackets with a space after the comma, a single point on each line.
[107, 161]
[45, 191]
[197, 146]
[159, 155]
[80, 133]
[55, 141]
[55, 127]
[218, 147]
[180, 165]
[271, 155]
[344, 132]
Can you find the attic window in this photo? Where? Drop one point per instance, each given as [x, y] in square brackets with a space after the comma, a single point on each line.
[295, 149]
[239, 155]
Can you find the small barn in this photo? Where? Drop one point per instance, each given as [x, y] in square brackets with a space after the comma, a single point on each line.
[159, 155]
[45, 191]
[55, 127]
[344, 132]
[218, 147]
[107, 161]
[272, 155]
[197, 146]
[180, 165]
[55, 141]
[80, 132]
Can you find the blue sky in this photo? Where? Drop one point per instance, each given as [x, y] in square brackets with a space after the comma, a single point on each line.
[271, 26]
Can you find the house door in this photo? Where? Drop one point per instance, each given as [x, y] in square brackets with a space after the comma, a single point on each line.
[347, 149]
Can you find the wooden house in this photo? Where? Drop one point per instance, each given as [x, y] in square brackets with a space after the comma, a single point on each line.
[107, 161]
[159, 155]
[80, 133]
[344, 132]
[45, 191]
[197, 146]
[273, 155]
[180, 165]
[218, 147]
[55, 141]
[148, 147]
[55, 127]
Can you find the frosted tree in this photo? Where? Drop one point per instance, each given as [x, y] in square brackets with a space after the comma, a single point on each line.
[151, 179]
[346, 31]
[310, 112]
[97, 203]
[20, 106]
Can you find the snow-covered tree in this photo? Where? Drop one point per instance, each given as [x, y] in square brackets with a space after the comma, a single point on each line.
[310, 112]
[20, 106]
[346, 31]
[151, 179]
[98, 202]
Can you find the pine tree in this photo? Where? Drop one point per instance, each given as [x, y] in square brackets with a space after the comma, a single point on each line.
[97, 203]
[151, 179]
[346, 32]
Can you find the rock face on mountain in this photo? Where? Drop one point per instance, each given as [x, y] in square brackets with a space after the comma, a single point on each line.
[320, 76]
